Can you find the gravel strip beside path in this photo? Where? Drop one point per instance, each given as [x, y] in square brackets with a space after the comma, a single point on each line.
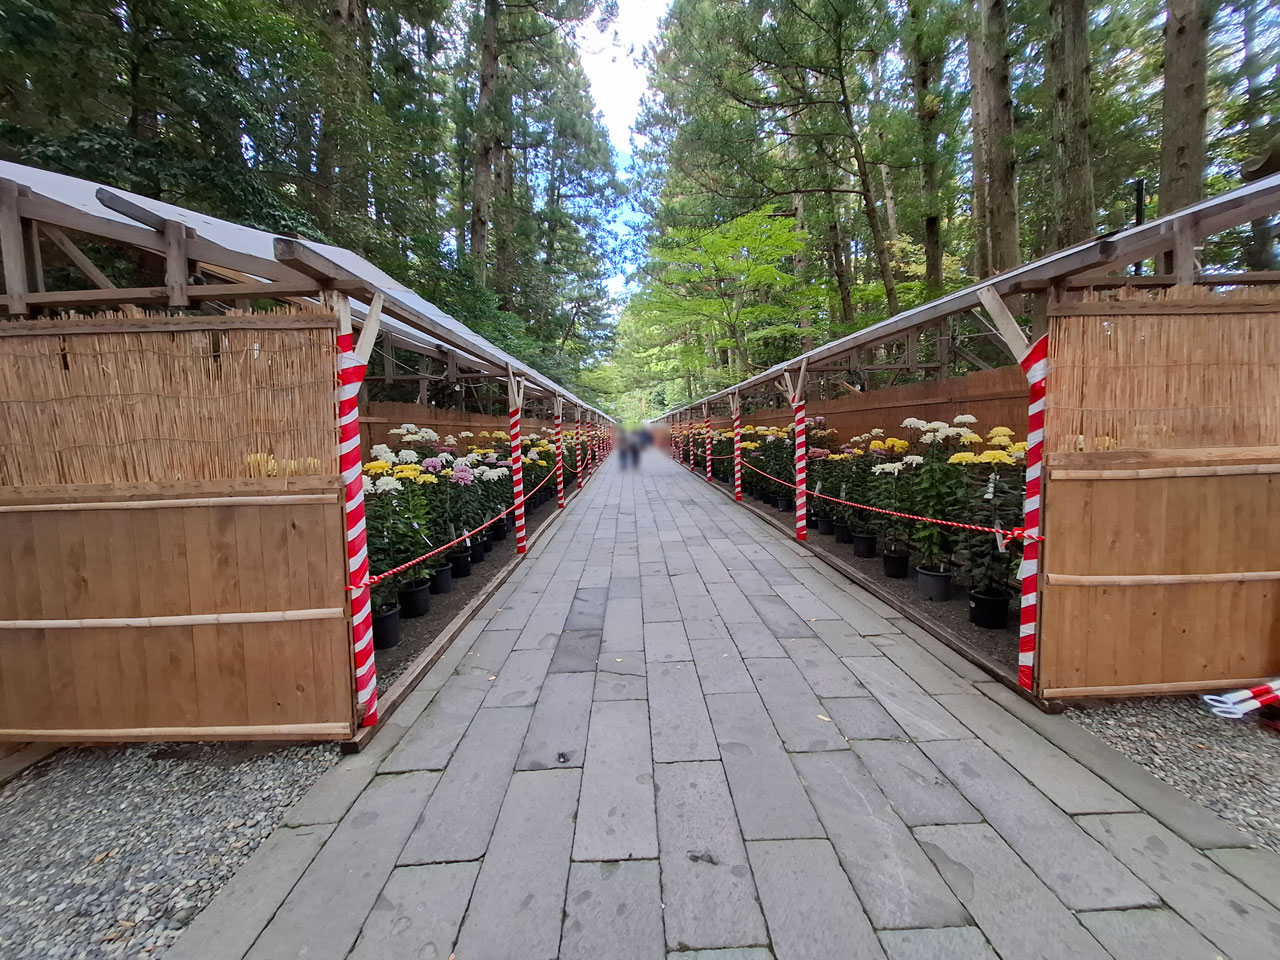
[110, 852]
[1232, 767]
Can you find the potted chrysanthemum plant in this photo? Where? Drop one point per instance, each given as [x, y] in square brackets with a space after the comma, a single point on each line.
[993, 495]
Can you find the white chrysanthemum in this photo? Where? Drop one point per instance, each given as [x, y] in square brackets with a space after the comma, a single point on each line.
[381, 451]
[532, 436]
[445, 457]
[368, 482]
[429, 435]
[387, 485]
[894, 468]
[451, 441]
[472, 458]
[915, 423]
[877, 432]
[965, 418]
[497, 473]
[935, 425]
[466, 433]
[407, 456]
[931, 438]
[913, 460]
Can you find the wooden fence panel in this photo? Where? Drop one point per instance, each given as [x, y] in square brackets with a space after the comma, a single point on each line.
[1161, 569]
[996, 397]
[283, 671]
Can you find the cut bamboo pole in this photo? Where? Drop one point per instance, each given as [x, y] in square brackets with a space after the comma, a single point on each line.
[157, 504]
[181, 620]
[1158, 579]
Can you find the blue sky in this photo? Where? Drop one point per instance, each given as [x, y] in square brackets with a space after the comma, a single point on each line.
[617, 80]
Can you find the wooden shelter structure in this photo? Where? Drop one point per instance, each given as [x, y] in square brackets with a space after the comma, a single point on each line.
[180, 548]
[1155, 443]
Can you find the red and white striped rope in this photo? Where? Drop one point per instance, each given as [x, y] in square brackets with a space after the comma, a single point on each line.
[409, 564]
[350, 375]
[737, 454]
[802, 461]
[559, 461]
[1017, 533]
[517, 479]
[1036, 367]
[707, 443]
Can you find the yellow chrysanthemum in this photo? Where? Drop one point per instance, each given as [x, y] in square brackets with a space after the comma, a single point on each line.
[500, 434]
[999, 432]
[857, 452]
[877, 445]
[447, 472]
[483, 433]
[999, 442]
[965, 457]
[376, 468]
[406, 471]
[838, 456]
[425, 478]
[896, 445]
[970, 438]
[995, 456]
[1019, 447]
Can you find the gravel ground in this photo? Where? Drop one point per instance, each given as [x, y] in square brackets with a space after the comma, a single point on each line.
[110, 852]
[1232, 767]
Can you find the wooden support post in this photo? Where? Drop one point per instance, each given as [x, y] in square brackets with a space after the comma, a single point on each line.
[369, 332]
[176, 265]
[1184, 254]
[424, 369]
[706, 441]
[735, 406]
[35, 265]
[11, 250]
[1005, 325]
[795, 393]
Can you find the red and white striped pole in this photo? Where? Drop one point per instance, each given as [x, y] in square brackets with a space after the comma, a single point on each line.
[706, 417]
[350, 375]
[515, 397]
[1035, 364]
[579, 454]
[795, 392]
[693, 448]
[559, 402]
[735, 404]
[591, 446]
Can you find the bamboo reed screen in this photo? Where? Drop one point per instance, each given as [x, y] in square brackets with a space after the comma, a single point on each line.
[136, 402]
[1160, 380]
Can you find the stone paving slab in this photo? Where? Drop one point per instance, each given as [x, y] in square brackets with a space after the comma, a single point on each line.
[577, 651]
[622, 676]
[666, 642]
[862, 718]
[350, 870]
[920, 794]
[755, 639]
[418, 912]
[681, 729]
[811, 909]
[895, 881]
[795, 711]
[456, 823]
[915, 711]
[616, 817]
[1257, 869]
[767, 794]
[520, 680]
[946, 943]
[1069, 861]
[1230, 915]
[518, 903]
[1068, 784]
[720, 666]
[780, 618]
[843, 639]
[557, 735]
[707, 887]
[613, 910]
[227, 928]
[623, 624]
[822, 669]
[1145, 934]
[1021, 918]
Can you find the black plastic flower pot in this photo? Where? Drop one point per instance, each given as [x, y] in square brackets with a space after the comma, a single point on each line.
[864, 544]
[415, 599]
[989, 611]
[769, 500]
[786, 504]
[896, 565]
[933, 584]
[477, 551]
[826, 526]
[442, 580]
[461, 564]
[486, 541]
[498, 532]
[386, 628]
[842, 532]
[511, 522]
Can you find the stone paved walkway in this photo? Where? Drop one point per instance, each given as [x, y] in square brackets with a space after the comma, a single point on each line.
[676, 734]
